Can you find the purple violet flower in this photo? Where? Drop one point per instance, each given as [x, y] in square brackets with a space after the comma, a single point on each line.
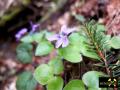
[24, 30]
[34, 27]
[21, 33]
[62, 37]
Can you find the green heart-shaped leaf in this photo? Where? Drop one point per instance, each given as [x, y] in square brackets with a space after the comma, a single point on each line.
[57, 65]
[55, 84]
[91, 79]
[76, 39]
[24, 46]
[24, 57]
[71, 53]
[27, 39]
[43, 48]
[26, 81]
[38, 36]
[115, 42]
[24, 53]
[74, 85]
[43, 74]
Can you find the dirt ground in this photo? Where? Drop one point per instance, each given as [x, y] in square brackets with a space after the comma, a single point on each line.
[106, 12]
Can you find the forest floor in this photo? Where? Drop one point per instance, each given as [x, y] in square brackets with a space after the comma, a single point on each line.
[106, 12]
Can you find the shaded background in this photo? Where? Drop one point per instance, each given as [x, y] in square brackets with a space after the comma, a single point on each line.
[51, 14]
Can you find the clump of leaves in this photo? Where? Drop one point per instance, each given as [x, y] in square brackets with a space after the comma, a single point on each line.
[70, 44]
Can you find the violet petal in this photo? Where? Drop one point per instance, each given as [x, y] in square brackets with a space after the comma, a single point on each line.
[34, 27]
[54, 37]
[59, 43]
[22, 31]
[65, 42]
[66, 30]
[70, 30]
[63, 29]
[18, 36]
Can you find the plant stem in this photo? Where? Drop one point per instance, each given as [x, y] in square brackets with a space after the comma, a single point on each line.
[103, 58]
[105, 61]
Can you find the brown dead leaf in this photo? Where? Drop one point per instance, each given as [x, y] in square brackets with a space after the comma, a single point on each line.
[113, 18]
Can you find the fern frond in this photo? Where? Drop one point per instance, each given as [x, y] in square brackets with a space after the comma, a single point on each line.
[97, 40]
